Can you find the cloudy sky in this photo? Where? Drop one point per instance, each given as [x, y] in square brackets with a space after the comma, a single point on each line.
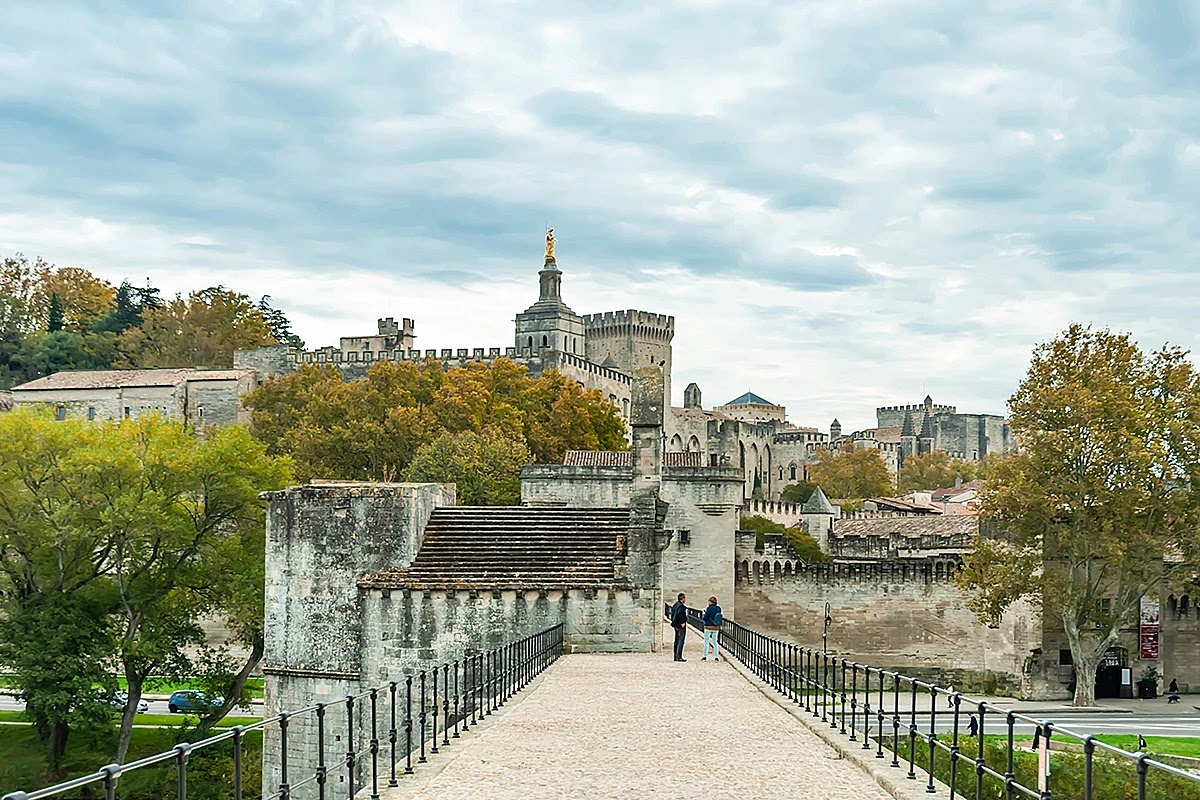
[843, 204]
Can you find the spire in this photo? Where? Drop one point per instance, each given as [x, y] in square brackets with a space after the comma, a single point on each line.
[817, 503]
[927, 427]
[928, 402]
[908, 429]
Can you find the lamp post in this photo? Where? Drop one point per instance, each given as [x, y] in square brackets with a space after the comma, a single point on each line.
[825, 633]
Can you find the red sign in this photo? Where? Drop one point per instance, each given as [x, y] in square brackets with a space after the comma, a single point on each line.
[1149, 637]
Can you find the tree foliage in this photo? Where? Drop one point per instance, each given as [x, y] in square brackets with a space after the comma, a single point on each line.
[126, 533]
[373, 429]
[201, 330]
[804, 545]
[65, 318]
[485, 467]
[851, 473]
[797, 492]
[1102, 489]
[936, 470]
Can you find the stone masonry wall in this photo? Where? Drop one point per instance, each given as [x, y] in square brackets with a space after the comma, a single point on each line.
[320, 538]
[906, 618]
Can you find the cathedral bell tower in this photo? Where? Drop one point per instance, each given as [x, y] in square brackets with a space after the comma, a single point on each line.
[549, 326]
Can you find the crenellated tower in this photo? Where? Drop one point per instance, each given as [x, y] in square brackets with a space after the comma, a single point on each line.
[625, 340]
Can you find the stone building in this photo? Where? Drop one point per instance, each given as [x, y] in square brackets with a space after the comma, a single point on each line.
[894, 603]
[599, 351]
[927, 427]
[200, 397]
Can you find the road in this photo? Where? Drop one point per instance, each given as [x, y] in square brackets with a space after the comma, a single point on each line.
[11, 703]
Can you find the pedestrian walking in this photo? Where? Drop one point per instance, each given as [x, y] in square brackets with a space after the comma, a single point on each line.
[679, 623]
[1173, 691]
[950, 695]
[712, 630]
[972, 726]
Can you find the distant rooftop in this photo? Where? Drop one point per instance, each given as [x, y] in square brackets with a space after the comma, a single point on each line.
[749, 399]
[127, 378]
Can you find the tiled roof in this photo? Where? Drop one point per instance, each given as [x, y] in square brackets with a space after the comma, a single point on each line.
[908, 526]
[624, 458]
[749, 399]
[125, 378]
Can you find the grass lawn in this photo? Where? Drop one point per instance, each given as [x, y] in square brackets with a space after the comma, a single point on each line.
[254, 686]
[164, 720]
[22, 766]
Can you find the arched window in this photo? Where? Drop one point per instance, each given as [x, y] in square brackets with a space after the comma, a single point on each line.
[792, 472]
[530, 343]
[545, 342]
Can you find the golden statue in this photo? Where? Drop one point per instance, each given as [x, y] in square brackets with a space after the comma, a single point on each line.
[549, 244]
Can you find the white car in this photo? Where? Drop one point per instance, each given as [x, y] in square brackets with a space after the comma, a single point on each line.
[119, 700]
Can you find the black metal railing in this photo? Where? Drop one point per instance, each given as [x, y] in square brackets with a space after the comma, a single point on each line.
[880, 708]
[423, 711]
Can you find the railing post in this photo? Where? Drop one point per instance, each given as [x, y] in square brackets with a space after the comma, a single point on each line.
[181, 760]
[433, 750]
[237, 764]
[1010, 775]
[457, 715]
[933, 697]
[445, 705]
[912, 732]
[844, 701]
[374, 745]
[956, 700]
[980, 763]
[321, 771]
[896, 719]
[408, 725]
[421, 720]
[284, 789]
[392, 734]
[351, 756]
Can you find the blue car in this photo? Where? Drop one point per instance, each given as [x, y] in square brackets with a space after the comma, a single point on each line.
[192, 700]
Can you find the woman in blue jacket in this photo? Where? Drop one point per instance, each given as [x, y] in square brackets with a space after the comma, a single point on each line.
[712, 629]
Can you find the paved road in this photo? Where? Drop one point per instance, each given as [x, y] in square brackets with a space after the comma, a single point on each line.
[11, 703]
[618, 726]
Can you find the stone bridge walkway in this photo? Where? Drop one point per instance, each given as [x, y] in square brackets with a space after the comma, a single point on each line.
[639, 726]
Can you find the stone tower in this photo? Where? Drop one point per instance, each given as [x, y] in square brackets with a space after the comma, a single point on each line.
[626, 340]
[691, 396]
[816, 515]
[835, 429]
[550, 324]
[925, 438]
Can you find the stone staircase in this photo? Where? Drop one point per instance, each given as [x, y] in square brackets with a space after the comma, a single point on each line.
[516, 547]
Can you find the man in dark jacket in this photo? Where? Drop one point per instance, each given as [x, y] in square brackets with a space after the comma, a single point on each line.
[679, 623]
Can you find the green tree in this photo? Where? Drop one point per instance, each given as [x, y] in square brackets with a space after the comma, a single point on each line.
[372, 429]
[278, 323]
[136, 528]
[851, 473]
[486, 467]
[1104, 488]
[804, 545]
[81, 298]
[202, 330]
[54, 317]
[19, 279]
[797, 492]
[935, 470]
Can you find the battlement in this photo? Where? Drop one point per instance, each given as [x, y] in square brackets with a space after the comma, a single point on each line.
[919, 408]
[582, 364]
[645, 323]
[777, 562]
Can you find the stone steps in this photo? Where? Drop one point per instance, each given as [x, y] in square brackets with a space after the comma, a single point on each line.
[509, 546]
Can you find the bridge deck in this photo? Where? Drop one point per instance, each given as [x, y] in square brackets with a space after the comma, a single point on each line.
[639, 726]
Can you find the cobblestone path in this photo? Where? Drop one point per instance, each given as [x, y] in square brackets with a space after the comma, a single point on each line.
[640, 726]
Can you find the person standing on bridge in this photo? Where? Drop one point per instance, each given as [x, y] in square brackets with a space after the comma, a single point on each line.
[712, 630]
[679, 623]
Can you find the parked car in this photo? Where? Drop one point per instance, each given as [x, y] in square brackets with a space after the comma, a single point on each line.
[192, 700]
[118, 700]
